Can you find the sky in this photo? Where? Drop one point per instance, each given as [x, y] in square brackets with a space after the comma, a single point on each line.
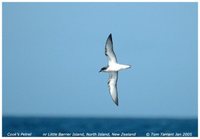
[52, 54]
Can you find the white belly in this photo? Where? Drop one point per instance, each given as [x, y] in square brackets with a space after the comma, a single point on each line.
[117, 67]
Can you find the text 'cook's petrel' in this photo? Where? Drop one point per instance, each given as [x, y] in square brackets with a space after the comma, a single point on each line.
[112, 68]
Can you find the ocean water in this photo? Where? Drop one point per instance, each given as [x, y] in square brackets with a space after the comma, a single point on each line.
[142, 127]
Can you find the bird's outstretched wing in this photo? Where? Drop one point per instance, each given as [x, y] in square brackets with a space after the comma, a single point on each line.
[112, 84]
[109, 50]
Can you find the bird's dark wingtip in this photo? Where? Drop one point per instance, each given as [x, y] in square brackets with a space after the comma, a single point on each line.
[116, 102]
[110, 35]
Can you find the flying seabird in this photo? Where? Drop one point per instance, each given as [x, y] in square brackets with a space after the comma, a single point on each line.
[112, 68]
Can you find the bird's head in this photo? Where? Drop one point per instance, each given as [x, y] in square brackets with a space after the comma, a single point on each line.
[103, 69]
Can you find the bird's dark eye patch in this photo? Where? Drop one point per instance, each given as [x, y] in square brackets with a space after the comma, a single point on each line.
[103, 68]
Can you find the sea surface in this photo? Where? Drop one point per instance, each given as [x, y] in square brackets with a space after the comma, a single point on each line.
[104, 127]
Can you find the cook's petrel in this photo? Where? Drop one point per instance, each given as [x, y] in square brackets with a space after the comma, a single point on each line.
[112, 68]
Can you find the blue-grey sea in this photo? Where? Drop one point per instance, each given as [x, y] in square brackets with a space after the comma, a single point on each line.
[142, 127]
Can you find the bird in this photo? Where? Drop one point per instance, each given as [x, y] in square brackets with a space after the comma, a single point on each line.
[112, 68]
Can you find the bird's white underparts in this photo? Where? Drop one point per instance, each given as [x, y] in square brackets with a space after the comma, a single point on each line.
[113, 68]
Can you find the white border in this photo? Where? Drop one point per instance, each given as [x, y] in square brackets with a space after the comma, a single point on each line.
[99, 0]
[1, 69]
[94, 1]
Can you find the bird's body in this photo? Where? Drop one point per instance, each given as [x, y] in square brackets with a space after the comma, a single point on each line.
[113, 68]
[116, 67]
